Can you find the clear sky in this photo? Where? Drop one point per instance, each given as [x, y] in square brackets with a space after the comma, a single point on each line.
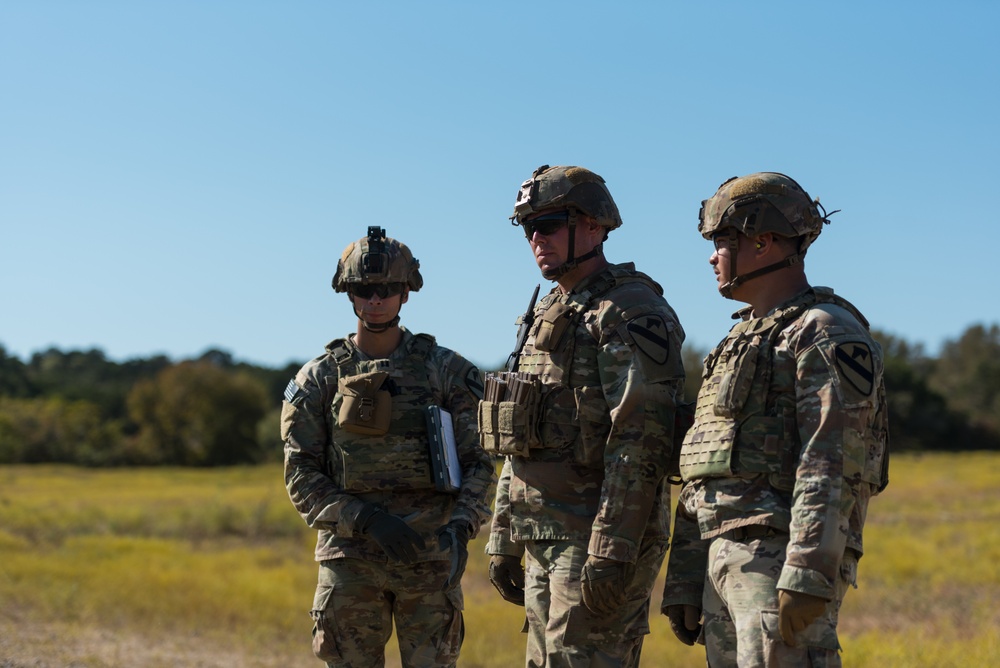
[182, 175]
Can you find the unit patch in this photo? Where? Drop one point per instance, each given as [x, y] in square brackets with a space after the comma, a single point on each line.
[651, 336]
[474, 382]
[856, 366]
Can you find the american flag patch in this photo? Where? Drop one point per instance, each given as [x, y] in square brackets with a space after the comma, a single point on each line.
[292, 391]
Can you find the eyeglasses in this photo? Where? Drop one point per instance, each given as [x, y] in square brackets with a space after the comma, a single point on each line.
[383, 290]
[545, 225]
[723, 239]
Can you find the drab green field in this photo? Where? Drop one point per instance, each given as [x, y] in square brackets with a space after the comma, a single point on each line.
[180, 567]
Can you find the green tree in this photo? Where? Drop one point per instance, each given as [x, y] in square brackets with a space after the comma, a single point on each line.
[54, 429]
[967, 373]
[198, 414]
[89, 375]
[14, 380]
[920, 417]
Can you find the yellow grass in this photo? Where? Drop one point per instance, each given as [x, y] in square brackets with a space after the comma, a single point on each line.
[178, 567]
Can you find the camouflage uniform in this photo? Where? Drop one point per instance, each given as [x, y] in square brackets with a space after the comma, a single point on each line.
[594, 480]
[337, 479]
[787, 448]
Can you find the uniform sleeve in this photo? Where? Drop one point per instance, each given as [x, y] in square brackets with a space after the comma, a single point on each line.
[307, 474]
[500, 541]
[688, 561]
[835, 381]
[465, 389]
[642, 377]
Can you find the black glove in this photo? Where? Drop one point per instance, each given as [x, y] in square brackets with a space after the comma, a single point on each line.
[603, 584]
[394, 536]
[684, 622]
[454, 537]
[507, 575]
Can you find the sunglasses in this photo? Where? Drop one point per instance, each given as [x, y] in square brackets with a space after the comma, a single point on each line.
[545, 225]
[383, 290]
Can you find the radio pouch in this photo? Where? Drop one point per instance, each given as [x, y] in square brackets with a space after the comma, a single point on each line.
[552, 325]
[366, 408]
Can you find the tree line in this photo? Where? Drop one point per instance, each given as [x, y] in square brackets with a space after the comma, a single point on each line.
[79, 407]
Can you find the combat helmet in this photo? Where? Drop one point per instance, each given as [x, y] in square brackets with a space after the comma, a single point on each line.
[576, 189]
[377, 260]
[758, 203]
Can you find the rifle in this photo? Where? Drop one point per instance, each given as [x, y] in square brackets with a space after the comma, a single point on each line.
[527, 320]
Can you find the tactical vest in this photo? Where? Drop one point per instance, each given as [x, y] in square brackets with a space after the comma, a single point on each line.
[569, 415]
[400, 459]
[737, 430]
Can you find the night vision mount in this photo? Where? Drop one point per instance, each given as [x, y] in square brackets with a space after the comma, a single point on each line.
[376, 261]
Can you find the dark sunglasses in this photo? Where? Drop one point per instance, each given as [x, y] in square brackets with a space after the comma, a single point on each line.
[545, 225]
[383, 290]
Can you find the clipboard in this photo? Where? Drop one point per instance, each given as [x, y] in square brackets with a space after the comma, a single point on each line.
[445, 467]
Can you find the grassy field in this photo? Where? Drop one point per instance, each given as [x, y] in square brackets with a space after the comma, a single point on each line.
[179, 567]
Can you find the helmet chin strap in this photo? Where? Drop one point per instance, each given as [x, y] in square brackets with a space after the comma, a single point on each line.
[571, 262]
[375, 327]
[726, 289]
[379, 327]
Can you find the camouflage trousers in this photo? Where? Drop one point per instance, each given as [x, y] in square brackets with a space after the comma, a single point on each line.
[562, 632]
[740, 605]
[357, 601]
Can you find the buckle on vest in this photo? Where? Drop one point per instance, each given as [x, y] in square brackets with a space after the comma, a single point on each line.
[366, 409]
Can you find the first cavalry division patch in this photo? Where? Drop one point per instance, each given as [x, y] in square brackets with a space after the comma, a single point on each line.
[474, 382]
[651, 336]
[856, 366]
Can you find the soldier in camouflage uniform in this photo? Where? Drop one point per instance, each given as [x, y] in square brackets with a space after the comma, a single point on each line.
[585, 423]
[391, 547]
[789, 444]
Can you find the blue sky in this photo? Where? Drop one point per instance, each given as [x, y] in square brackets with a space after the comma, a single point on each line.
[182, 175]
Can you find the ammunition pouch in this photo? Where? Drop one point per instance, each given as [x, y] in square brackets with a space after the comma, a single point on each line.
[366, 408]
[508, 416]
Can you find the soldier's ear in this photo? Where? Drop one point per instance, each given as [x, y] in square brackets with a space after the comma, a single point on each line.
[403, 296]
[764, 242]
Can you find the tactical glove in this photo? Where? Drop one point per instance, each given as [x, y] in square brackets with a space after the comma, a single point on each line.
[394, 536]
[453, 537]
[684, 622]
[507, 575]
[796, 611]
[603, 583]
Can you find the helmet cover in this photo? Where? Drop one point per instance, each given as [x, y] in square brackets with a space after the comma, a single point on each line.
[566, 186]
[377, 259]
[762, 202]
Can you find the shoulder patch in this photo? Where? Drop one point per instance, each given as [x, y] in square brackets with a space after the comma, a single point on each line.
[292, 391]
[474, 382]
[856, 365]
[651, 335]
